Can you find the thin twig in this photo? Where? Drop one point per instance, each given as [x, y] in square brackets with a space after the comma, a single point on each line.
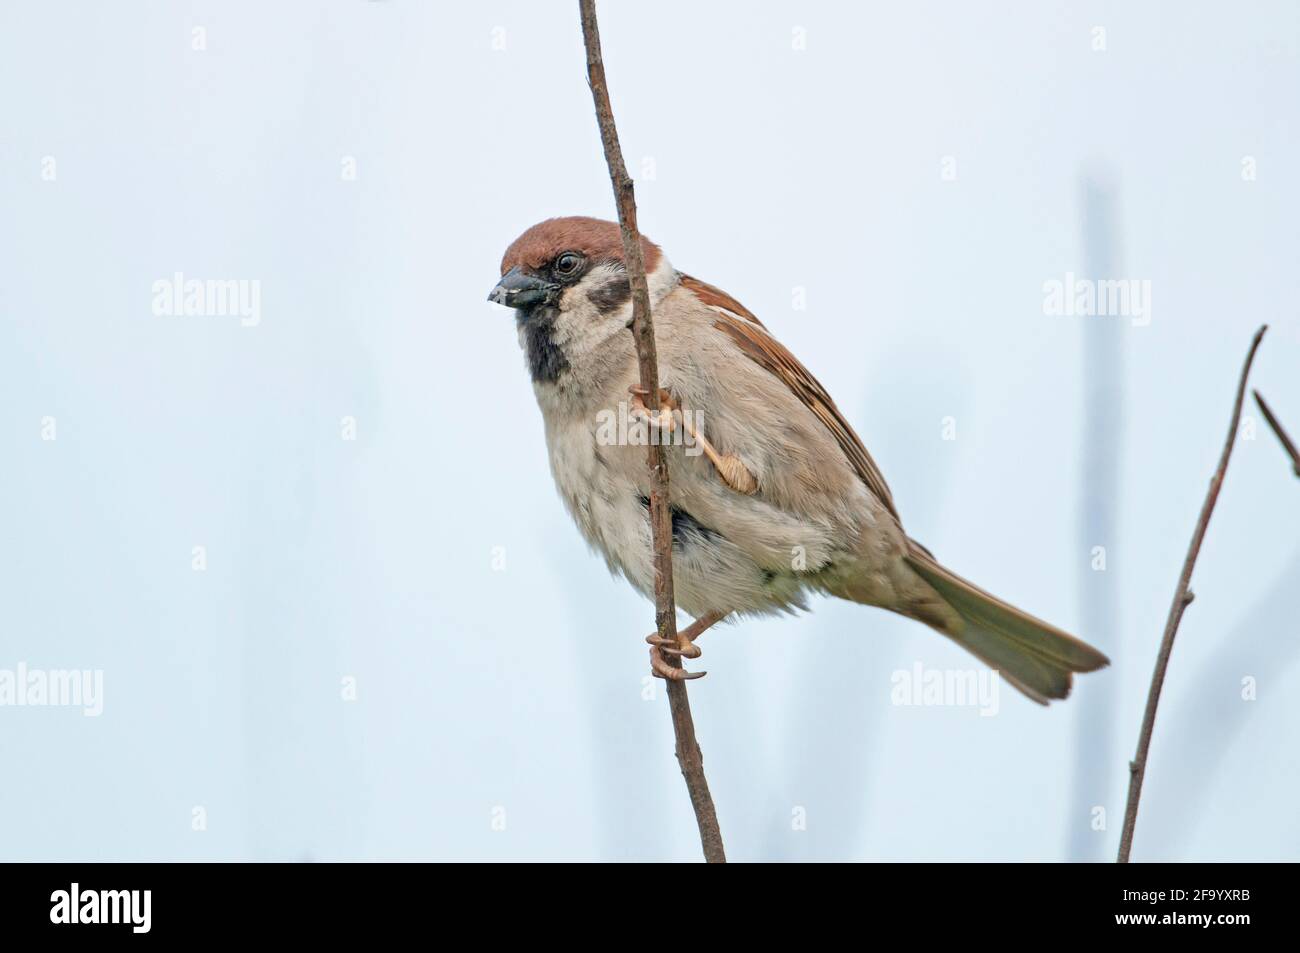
[689, 756]
[1287, 443]
[1182, 599]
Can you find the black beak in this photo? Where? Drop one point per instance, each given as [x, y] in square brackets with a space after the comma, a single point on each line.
[519, 290]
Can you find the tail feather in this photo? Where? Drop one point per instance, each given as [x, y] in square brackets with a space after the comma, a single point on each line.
[1035, 657]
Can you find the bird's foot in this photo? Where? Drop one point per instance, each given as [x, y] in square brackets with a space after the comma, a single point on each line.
[664, 419]
[661, 649]
[730, 467]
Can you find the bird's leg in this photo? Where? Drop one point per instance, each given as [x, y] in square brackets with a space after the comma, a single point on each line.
[682, 647]
[730, 467]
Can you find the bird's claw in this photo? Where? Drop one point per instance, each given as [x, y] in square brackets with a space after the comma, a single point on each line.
[663, 419]
[661, 649]
[679, 647]
[730, 467]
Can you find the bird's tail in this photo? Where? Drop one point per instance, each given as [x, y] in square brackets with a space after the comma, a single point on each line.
[1037, 658]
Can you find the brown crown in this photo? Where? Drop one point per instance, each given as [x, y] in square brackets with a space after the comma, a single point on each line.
[596, 238]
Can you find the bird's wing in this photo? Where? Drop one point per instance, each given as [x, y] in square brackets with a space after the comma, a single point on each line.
[740, 324]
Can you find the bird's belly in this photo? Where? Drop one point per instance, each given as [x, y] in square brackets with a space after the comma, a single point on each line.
[605, 489]
[711, 573]
[602, 497]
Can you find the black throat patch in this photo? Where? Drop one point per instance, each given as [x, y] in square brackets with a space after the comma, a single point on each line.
[546, 362]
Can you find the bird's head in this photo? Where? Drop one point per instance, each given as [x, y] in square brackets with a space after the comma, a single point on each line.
[567, 280]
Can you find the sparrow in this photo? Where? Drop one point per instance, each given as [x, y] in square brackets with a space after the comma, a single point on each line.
[772, 494]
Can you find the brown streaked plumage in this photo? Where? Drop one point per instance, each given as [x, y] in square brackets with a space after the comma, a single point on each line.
[717, 298]
[770, 354]
[780, 497]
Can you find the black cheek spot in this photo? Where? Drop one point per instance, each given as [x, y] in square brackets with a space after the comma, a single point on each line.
[610, 296]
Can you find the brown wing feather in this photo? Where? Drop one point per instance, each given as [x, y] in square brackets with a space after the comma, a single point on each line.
[717, 298]
[739, 323]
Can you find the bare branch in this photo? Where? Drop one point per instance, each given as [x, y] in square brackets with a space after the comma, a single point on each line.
[1287, 443]
[689, 756]
[1182, 599]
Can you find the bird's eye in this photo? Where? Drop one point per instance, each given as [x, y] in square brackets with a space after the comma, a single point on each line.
[568, 263]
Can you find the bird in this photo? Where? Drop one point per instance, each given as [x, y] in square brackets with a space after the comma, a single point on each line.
[772, 494]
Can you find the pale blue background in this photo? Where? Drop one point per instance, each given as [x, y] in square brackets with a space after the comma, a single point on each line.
[523, 688]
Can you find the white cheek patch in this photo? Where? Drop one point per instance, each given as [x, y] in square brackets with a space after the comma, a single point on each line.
[581, 327]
